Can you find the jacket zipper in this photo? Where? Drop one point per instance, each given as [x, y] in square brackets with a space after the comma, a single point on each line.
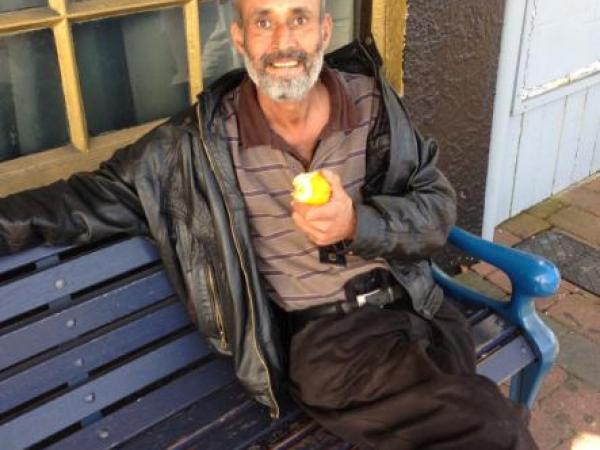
[215, 306]
[275, 409]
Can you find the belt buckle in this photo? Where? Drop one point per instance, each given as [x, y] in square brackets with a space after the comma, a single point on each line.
[378, 297]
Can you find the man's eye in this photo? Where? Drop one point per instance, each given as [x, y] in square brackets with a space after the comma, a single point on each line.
[300, 20]
[263, 23]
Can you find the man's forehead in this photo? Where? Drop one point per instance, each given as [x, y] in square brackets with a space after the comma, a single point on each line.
[253, 6]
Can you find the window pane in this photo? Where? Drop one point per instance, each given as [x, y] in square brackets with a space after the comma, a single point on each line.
[32, 109]
[343, 21]
[133, 69]
[13, 5]
[218, 55]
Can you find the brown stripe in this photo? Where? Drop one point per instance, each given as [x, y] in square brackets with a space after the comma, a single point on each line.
[272, 236]
[353, 183]
[365, 96]
[339, 162]
[260, 169]
[272, 216]
[263, 192]
[289, 255]
[312, 296]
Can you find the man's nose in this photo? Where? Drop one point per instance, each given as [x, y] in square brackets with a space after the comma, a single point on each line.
[283, 38]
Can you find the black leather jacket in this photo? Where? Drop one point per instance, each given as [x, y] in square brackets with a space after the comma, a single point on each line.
[177, 184]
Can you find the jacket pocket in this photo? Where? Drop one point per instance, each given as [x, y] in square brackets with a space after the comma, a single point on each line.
[197, 260]
[215, 306]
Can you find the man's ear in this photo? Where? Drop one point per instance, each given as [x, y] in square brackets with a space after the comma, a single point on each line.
[237, 37]
[327, 29]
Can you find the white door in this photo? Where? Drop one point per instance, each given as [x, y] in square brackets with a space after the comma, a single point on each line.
[546, 130]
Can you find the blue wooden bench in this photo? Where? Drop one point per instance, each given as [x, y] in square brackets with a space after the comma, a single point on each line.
[96, 352]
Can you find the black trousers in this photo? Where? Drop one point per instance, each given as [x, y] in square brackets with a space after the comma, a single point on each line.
[387, 379]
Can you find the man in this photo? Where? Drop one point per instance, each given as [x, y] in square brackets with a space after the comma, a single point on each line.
[376, 355]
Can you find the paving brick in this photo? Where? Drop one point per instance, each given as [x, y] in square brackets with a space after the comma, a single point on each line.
[580, 312]
[584, 198]
[505, 237]
[556, 377]
[501, 280]
[543, 304]
[593, 184]
[578, 354]
[547, 430]
[476, 281]
[567, 443]
[568, 287]
[483, 268]
[564, 290]
[578, 222]
[505, 388]
[575, 403]
[547, 208]
[525, 225]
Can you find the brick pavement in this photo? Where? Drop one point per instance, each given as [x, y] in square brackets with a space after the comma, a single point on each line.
[566, 415]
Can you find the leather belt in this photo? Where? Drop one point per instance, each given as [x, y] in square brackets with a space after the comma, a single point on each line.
[381, 297]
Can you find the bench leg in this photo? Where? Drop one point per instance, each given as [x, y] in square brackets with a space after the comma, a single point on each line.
[525, 385]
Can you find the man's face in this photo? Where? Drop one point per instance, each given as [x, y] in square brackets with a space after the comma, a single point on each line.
[283, 43]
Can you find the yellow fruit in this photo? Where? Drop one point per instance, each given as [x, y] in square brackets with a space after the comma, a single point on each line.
[311, 188]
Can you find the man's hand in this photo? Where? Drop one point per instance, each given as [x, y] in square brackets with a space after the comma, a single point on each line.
[332, 222]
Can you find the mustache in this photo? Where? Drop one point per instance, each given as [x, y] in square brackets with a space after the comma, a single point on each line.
[271, 58]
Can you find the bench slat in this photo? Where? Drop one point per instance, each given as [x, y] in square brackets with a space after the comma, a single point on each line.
[77, 363]
[57, 414]
[507, 360]
[82, 318]
[228, 409]
[151, 409]
[25, 257]
[39, 288]
[239, 431]
[195, 421]
[491, 332]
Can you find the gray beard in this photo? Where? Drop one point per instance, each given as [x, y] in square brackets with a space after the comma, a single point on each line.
[286, 90]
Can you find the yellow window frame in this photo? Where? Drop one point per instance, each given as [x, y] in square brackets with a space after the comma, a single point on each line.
[85, 153]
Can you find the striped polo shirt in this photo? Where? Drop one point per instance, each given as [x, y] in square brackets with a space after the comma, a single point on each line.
[266, 164]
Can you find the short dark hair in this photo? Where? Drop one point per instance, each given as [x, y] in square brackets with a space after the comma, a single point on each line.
[238, 12]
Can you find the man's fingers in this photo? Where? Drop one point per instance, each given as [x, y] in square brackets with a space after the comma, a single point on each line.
[334, 180]
[311, 213]
[312, 227]
[328, 211]
[301, 208]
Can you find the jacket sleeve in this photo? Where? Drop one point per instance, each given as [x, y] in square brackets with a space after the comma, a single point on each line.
[88, 206]
[412, 224]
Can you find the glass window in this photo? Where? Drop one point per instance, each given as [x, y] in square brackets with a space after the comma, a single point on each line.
[13, 5]
[342, 12]
[218, 55]
[32, 109]
[133, 69]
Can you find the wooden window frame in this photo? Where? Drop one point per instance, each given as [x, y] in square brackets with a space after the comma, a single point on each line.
[84, 153]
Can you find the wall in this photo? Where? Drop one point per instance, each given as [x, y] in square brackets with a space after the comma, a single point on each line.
[547, 118]
[451, 58]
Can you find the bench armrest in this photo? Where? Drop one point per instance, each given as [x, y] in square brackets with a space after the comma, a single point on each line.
[531, 276]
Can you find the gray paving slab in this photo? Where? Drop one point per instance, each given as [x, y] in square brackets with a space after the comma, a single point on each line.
[578, 263]
[577, 355]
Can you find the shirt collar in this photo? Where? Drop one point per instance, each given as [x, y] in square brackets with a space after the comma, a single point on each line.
[255, 129]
